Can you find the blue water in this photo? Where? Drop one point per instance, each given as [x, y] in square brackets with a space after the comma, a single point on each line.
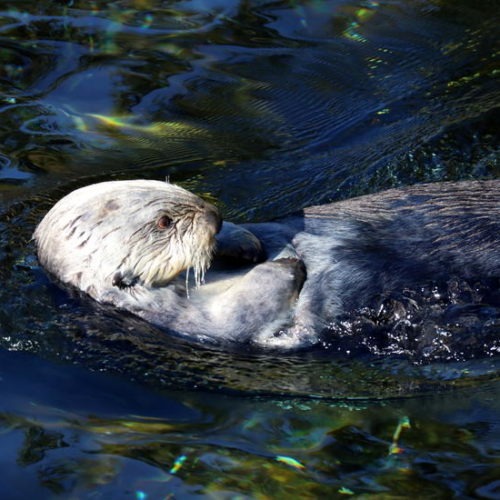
[262, 108]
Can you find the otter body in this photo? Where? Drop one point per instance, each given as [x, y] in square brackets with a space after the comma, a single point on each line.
[296, 278]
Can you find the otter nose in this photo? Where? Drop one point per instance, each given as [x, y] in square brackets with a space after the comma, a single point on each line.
[213, 218]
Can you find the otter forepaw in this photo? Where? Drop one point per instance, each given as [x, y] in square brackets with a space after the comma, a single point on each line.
[238, 245]
[298, 267]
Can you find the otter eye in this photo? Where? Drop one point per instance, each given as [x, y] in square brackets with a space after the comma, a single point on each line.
[164, 222]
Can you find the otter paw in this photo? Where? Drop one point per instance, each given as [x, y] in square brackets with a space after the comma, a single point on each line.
[238, 245]
[298, 269]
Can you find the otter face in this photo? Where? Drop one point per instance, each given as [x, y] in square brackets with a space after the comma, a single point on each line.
[123, 233]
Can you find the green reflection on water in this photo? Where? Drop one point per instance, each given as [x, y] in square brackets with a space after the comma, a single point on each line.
[259, 449]
[263, 108]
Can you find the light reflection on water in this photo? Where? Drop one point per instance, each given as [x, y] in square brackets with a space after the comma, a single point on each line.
[263, 108]
[81, 432]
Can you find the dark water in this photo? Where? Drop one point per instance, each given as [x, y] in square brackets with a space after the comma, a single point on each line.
[263, 108]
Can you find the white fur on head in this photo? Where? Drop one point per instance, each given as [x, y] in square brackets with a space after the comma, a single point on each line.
[122, 233]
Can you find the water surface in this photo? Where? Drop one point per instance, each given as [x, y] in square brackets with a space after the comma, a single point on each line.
[262, 108]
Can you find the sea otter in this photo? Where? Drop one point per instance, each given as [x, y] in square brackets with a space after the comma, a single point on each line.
[282, 283]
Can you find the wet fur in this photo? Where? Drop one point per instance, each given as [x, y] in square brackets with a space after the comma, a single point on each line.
[360, 250]
[322, 264]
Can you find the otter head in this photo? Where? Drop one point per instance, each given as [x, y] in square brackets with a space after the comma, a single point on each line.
[126, 233]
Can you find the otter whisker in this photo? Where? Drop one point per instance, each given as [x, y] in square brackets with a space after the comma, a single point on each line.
[187, 282]
[199, 269]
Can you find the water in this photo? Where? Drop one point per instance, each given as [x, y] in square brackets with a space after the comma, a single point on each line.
[262, 108]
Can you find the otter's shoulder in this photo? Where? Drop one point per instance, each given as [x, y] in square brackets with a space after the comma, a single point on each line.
[473, 196]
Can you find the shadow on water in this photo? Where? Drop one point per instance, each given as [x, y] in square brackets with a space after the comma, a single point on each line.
[263, 108]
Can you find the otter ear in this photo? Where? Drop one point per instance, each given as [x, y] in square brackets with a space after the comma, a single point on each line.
[122, 281]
